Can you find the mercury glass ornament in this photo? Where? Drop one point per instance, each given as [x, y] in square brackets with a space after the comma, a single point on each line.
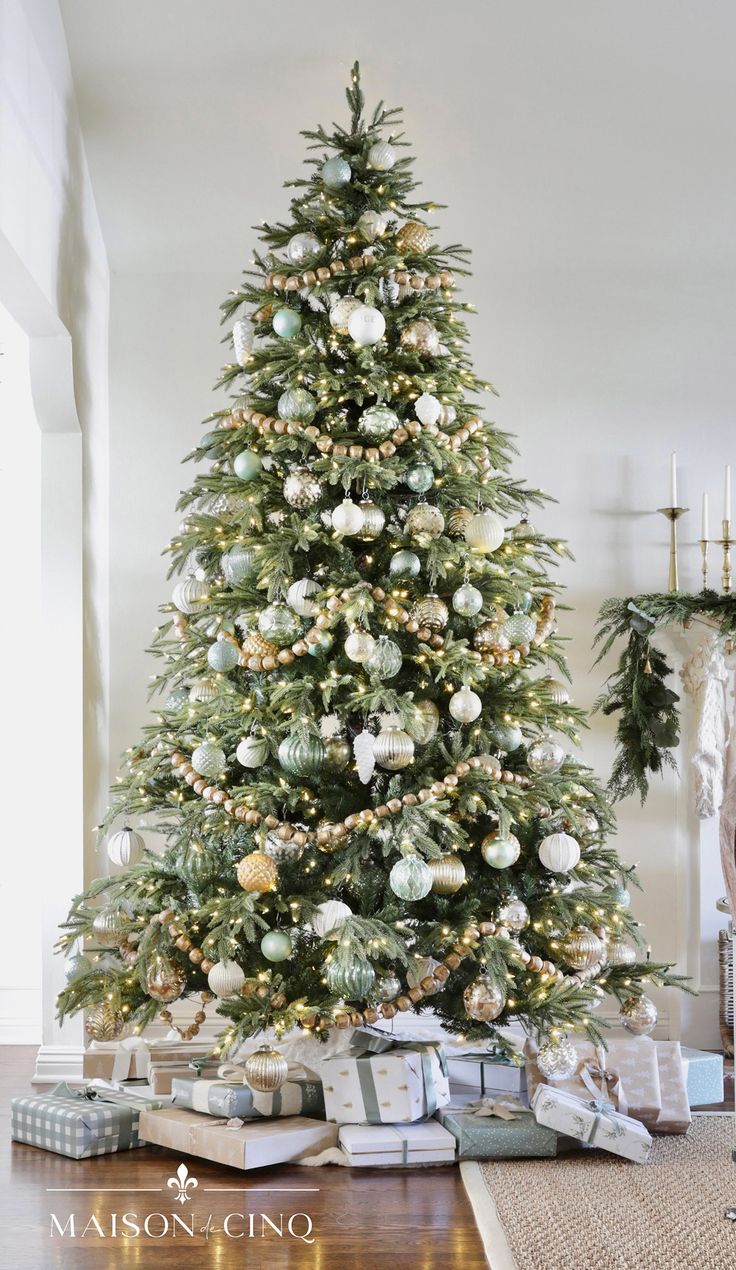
[341, 312]
[393, 748]
[279, 624]
[297, 405]
[457, 520]
[302, 755]
[328, 918]
[387, 987]
[301, 246]
[222, 655]
[523, 529]
[638, 1015]
[257, 873]
[366, 325]
[347, 518]
[125, 847]
[557, 692]
[338, 753]
[302, 488]
[500, 851]
[225, 506]
[557, 1059]
[281, 848]
[352, 981]
[507, 736]
[373, 520]
[467, 601]
[420, 478]
[336, 172]
[520, 628]
[298, 597]
[286, 322]
[484, 532]
[484, 1001]
[427, 408]
[371, 225]
[590, 824]
[513, 914]
[204, 691]
[237, 563]
[448, 874]
[404, 564]
[378, 422]
[410, 878]
[420, 968]
[252, 751]
[421, 336]
[190, 594]
[620, 895]
[360, 646]
[431, 612]
[423, 725]
[322, 645]
[425, 519]
[243, 336]
[465, 705]
[545, 756]
[413, 237]
[247, 465]
[559, 852]
[266, 1069]
[490, 635]
[386, 659]
[76, 966]
[226, 978]
[381, 156]
[621, 953]
[177, 698]
[165, 980]
[103, 1023]
[581, 948]
[276, 945]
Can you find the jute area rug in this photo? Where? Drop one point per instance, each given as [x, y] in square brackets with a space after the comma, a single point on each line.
[594, 1211]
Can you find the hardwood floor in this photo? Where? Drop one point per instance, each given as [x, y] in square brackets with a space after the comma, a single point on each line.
[405, 1219]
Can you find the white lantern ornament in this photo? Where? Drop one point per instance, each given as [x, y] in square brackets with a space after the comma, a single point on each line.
[559, 852]
[366, 325]
[226, 978]
[125, 847]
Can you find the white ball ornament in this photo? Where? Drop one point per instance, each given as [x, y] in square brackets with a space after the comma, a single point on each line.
[125, 847]
[411, 878]
[382, 156]
[484, 532]
[559, 852]
[226, 978]
[329, 917]
[190, 594]
[366, 325]
[252, 751]
[465, 705]
[371, 225]
[360, 646]
[301, 246]
[298, 597]
[427, 408]
[347, 519]
[209, 760]
[341, 312]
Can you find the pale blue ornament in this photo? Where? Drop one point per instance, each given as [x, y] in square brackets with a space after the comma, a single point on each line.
[297, 404]
[467, 600]
[276, 945]
[336, 172]
[247, 465]
[237, 563]
[620, 895]
[420, 478]
[209, 760]
[222, 655]
[286, 322]
[75, 966]
[404, 564]
[411, 878]
[177, 698]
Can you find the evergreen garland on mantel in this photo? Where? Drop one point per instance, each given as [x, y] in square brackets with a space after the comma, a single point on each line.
[649, 725]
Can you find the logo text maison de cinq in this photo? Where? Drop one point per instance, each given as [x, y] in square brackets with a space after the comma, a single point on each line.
[186, 1224]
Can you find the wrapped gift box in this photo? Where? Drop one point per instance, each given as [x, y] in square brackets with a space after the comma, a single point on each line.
[703, 1076]
[591, 1121]
[632, 1081]
[674, 1116]
[486, 1074]
[381, 1081]
[368, 1145]
[80, 1121]
[240, 1145]
[131, 1058]
[300, 1095]
[161, 1075]
[481, 1137]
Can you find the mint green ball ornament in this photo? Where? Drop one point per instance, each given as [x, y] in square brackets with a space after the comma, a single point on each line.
[404, 564]
[237, 563]
[279, 624]
[352, 982]
[247, 465]
[298, 405]
[411, 878]
[323, 644]
[177, 698]
[276, 945]
[420, 478]
[302, 755]
[336, 172]
[286, 322]
[222, 655]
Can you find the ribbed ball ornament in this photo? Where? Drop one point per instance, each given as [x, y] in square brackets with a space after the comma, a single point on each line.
[386, 659]
[545, 756]
[341, 312]
[411, 878]
[302, 488]
[638, 1015]
[581, 948]
[558, 693]
[413, 237]
[299, 597]
[352, 981]
[404, 564]
[559, 852]
[382, 156]
[428, 408]
[378, 422]
[484, 1001]
[103, 1023]
[204, 691]
[301, 246]
[226, 978]
[484, 532]
[366, 325]
[302, 755]
[519, 628]
[347, 518]
[424, 519]
[360, 646]
[513, 914]
[265, 1070]
[209, 760]
[393, 748]
[257, 872]
[557, 1059]
[336, 172]
[500, 850]
[222, 655]
[621, 953]
[109, 926]
[467, 601]
[125, 847]
[276, 945]
[373, 520]
[431, 611]
[423, 725]
[420, 336]
[190, 595]
[297, 405]
[448, 874]
[328, 918]
[165, 980]
[465, 705]
[279, 624]
[237, 563]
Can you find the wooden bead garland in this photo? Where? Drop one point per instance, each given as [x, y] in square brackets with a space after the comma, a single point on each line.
[355, 264]
[187, 1033]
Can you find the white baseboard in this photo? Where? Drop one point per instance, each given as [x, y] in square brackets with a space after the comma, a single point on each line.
[58, 1062]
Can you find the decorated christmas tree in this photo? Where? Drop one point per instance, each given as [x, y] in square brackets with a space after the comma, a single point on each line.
[358, 772]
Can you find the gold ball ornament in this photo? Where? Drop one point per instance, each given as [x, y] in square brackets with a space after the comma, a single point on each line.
[421, 336]
[165, 980]
[489, 635]
[448, 874]
[109, 926]
[266, 1070]
[425, 519]
[413, 238]
[431, 612]
[258, 872]
[457, 520]
[338, 753]
[483, 1000]
[103, 1023]
[638, 1015]
[581, 948]
[621, 953]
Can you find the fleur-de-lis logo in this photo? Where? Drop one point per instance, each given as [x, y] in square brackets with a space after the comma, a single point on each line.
[182, 1181]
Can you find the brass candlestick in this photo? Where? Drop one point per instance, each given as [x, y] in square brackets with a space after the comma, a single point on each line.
[673, 514]
[726, 542]
[704, 544]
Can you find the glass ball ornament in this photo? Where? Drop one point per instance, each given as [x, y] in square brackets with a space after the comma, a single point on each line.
[638, 1015]
[302, 488]
[252, 751]
[519, 628]
[424, 722]
[387, 988]
[296, 405]
[557, 1059]
[467, 601]
[484, 1001]
[420, 968]
[125, 847]
[431, 612]
[301, 246]
[341, 312]
[103, 1023]
[420, 478]
[545, 756]
[523, 529]
[165, 980]
[413, 237]
[513, 914]
[257, 873]
[302, 755]
[352, 981]
[347, 518]
[386, 659]
[558, 693]
[366, 325]
[243, 337]
[420, 336]
[276, 945]
[204, 691]
[329, 917]
[190, 595]
[298, 597]
[281, 848]
[448, 874]
[360, 646]
[424, 519]
[499, 850]
[507, 736]
[177, 698]
[222, 655]
[378, 422]
[286, 322]
[237, 562]
[484, 532]
[321, 645]
[581, 948]
[465, 705]
[559, 852]
[393, 748]
[265, 1070]
[428, 409]
[381, 156]
[404, 564]
[76, 966]
[621, 953]
[490, 635]
[371, 225]
[209, 760]
[338, 753]
[336, 172]
[620, 895]
[226, 978]
[410, 878]
[373, 520]
[279, 624]
[247, 465]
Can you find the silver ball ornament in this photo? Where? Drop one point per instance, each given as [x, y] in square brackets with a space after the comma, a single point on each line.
[465, 705]
[557, 1059]
[467, 600]
[638, 1015]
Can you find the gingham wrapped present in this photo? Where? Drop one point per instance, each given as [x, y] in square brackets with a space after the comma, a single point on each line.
[80, 1122]
[229, 1095]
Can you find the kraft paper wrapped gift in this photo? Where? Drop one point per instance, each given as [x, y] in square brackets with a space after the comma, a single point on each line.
[239, 1144]
[130, 1058]
[80, 1121]
[591, 1121]
[487, 1074]
[161, 1075]
[229, 1095]
[379, 1145]
[703, 1076]
[626, 1074]
[500, 1130]
[382, 1081]
[674, 1116]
